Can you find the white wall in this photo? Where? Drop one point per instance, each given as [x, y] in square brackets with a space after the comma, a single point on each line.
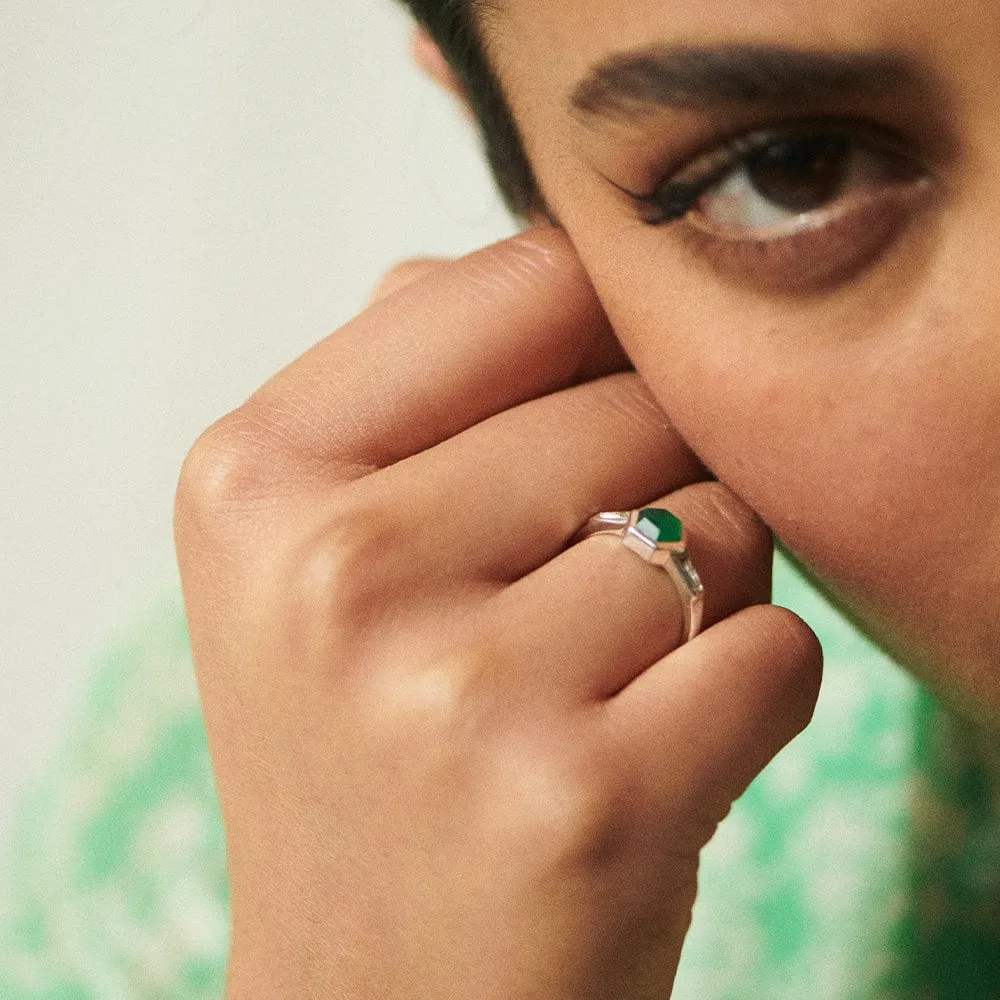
[193, 192]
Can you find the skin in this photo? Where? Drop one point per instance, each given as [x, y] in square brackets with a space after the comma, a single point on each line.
[441, 773]
[459, 754]
[860, 420]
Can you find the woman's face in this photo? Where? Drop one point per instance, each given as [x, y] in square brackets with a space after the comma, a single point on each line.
[823, 325]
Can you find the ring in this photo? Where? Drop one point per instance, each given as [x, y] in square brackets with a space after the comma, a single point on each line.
[658, 537]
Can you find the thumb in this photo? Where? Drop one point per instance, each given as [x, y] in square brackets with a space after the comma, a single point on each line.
[706, 719]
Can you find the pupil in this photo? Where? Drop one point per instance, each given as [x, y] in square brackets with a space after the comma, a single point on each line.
[801, 173]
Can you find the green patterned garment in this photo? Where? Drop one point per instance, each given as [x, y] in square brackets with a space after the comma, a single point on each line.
[864, 863]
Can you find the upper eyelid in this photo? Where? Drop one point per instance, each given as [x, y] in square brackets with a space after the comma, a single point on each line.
[732, 150]
[745, 141]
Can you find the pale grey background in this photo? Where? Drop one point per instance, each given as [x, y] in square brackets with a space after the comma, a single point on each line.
[192, 194]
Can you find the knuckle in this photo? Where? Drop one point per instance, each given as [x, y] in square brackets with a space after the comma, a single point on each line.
[438, 706]
[453, 728]
[573, 812]
[223, 469]
[332, 574]
[431, 720]
[343, 577]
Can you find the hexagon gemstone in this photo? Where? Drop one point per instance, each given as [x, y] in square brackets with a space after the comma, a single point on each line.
[659, 525]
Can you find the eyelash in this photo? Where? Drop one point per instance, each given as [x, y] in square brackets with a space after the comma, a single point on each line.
[675, 199]
[818, 246]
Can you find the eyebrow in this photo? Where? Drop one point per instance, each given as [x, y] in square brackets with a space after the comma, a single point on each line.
[630, 83]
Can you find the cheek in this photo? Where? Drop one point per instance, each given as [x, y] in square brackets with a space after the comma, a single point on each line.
[867, 438]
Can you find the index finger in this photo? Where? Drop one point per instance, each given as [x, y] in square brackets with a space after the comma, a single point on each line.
[476, 336]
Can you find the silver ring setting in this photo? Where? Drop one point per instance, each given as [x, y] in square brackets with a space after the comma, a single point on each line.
[658, 537]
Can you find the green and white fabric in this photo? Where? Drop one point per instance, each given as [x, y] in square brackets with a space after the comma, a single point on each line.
[864, 864]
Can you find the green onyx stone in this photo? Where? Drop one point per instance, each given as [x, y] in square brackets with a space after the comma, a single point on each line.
[659, 525]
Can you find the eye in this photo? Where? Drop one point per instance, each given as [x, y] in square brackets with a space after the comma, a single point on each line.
[815, 200]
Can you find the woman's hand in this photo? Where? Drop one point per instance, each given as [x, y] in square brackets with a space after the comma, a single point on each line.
[455, 757]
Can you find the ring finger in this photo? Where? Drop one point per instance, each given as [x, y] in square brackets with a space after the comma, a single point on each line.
[595, 617]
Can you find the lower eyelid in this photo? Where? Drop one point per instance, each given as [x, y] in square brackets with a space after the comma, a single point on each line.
[807, 256]
[813, 220]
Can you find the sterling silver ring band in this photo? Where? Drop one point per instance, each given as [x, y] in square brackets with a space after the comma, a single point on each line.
[658, 537]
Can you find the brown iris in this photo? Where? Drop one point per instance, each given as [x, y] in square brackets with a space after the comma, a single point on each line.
[801, 173]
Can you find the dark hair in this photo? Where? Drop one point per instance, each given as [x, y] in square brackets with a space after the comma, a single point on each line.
[455, 27]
